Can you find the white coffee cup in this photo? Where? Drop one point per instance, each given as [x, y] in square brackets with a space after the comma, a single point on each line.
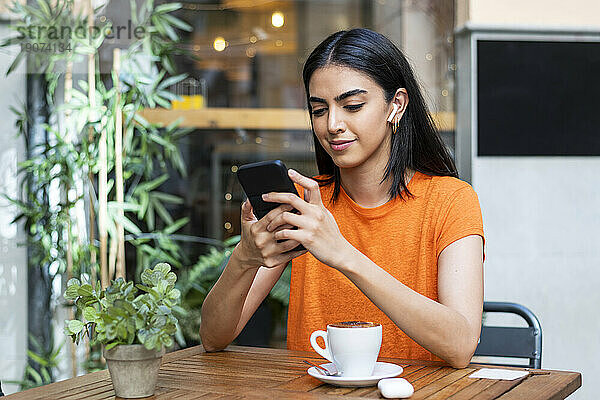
[353, 346]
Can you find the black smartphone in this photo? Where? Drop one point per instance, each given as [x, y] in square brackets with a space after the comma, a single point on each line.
[264, 177]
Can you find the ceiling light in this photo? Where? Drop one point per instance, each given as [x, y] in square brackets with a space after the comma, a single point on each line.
[219, 44]
[277, 19]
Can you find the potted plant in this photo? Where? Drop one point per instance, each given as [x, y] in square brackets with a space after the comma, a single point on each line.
[134, 329]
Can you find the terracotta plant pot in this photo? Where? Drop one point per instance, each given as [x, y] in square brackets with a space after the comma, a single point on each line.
[133, 370]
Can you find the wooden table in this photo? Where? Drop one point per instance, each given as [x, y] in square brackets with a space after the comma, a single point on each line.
[258, 373]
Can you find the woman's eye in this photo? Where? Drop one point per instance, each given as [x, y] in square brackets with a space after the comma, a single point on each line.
[354, 107]
[318, 112]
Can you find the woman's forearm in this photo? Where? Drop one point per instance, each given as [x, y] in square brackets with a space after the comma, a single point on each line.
[222, 308]
[436, 327]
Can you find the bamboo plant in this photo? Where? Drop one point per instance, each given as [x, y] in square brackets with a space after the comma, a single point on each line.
[79, 157]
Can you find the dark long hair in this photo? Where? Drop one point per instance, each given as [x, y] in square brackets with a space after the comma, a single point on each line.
[417, 143]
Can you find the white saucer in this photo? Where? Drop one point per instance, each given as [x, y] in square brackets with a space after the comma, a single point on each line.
[382, 370]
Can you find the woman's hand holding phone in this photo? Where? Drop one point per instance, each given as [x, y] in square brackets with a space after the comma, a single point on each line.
[317, 229]
[258, 246]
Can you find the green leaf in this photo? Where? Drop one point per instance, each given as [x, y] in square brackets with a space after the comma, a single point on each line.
[153, 184]
[178, 23]
[162, 211]
[147, 278]
[174, 294]
[167, 341]
[175, 226]
[141, 120]
[90, 314]
[45, 8]
[150, 216]
[168, 198]
[144, 199]
[73, 281]
[164, 23]
[171, 278]
[161, 102]
[127, 224]
[167, 8]
[85, 290]
[160, 140]
[75, 326]
[142, 287]
[72, 292]
[111, 345]
[168, 64]
[168, 96]
[16, 62]
[35, 375]
[38, 359]
[172, 81]
[125, 206]
[163, 268]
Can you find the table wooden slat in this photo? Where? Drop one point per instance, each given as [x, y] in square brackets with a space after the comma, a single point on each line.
[434, 375]
[497, 389]
[554, 387]
[440, 384]
[424, 372]
[259, 373]
[472, 390]
[304, 383]
[106, 390]
[452, 389]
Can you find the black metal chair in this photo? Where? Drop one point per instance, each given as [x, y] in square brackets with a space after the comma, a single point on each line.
[513, 342]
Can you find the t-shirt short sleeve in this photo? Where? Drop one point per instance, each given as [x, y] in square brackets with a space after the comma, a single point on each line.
[459, 218]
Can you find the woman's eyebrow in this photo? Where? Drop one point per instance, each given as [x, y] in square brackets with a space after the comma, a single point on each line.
[314, 99]
[338, 98]
[349, 93]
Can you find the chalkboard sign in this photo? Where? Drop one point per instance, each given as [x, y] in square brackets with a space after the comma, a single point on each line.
[538, 98]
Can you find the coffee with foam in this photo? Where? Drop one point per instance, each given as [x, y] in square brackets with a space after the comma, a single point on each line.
[354, 324]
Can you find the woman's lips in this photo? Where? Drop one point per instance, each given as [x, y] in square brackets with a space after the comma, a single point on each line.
[342, 145]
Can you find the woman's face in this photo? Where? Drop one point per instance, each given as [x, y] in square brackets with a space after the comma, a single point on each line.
[349, 116]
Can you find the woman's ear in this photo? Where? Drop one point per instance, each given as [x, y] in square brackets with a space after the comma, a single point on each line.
[399, 104]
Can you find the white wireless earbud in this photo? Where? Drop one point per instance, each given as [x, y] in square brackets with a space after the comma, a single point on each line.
[393, 113]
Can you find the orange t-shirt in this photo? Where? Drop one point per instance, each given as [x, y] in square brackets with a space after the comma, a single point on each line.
[403, 237]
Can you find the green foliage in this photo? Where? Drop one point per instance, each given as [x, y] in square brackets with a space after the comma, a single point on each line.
[119, 315]
[55, 176]
[196, 282]
[45, 360]
[161, 37]
[64, 163]
[48, 15]
[49, 224]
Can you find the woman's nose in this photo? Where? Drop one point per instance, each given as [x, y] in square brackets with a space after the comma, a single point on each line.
[334, 123]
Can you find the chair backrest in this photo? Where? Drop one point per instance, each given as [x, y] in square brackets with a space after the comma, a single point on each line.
[501, 341]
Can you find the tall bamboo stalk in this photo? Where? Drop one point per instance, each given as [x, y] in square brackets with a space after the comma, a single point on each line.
[103, 206]
[92, 100]
[112, 257]
[102, 174]
[119, 163]
[70, 313]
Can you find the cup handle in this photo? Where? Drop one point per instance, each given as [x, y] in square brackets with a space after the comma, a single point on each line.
[323, 352]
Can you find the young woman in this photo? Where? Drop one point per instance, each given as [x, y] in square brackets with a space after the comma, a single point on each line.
[391, 235]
